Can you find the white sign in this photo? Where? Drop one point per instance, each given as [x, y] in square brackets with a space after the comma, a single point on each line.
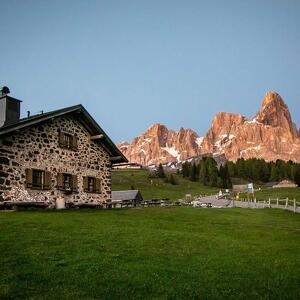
[250, 188]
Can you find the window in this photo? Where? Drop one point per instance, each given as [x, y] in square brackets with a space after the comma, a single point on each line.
[38, 179]
[67, 140]
[67, 182]
[91, 184]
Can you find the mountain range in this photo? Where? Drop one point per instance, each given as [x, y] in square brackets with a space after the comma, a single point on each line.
[270, 135]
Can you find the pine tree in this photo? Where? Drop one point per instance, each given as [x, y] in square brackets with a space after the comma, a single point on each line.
[212, 171]
[274, 176]
[186, 169]
[231, 168]
[297, 176]
[265, 171]
[220, 182]
[225, 177]
[228, 183]
[203, 172]
[241, 171]
[160, 172]
[172, 180]
[193, 172]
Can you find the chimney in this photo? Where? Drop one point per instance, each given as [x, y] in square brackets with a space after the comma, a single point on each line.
[9, 108]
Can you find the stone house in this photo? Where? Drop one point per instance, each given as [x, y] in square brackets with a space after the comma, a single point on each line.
[54, 159]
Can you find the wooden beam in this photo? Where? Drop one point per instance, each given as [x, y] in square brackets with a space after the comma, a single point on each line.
[97, 137]
[115, 158]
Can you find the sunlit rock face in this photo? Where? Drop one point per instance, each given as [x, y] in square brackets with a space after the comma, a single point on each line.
[270, 135]
[160, 145]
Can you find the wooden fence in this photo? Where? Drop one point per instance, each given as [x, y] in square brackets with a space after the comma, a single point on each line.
[289, 204]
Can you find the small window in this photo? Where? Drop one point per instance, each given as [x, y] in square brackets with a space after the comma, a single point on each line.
[38, 179]
[67, 140]
[91, 184]
[67, 182]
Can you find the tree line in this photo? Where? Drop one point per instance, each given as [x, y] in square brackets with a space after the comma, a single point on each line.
[261, 170]
[207, 172]
[257, 170]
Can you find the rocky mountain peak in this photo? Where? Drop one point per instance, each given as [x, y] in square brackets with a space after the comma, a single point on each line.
[160, 145]
[274, 112]
[270, 135]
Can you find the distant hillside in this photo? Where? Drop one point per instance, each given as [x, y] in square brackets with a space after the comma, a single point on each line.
[155, 187]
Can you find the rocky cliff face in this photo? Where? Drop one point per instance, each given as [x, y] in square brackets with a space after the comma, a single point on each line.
[160, 145]
[270, 135]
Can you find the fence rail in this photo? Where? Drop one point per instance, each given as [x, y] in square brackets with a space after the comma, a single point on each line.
[286, 203]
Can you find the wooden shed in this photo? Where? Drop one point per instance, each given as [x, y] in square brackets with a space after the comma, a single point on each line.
[127, 198]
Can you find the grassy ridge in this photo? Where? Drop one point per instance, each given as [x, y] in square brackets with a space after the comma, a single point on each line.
[150, 253]
[281, 193]
[155, 187]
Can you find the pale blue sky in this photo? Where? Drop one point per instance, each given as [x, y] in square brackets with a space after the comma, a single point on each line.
[134, 63]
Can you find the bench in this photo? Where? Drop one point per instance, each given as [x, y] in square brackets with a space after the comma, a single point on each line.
[24, 204]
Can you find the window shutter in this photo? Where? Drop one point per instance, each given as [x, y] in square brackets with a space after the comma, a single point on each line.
[98, 185]
[74, 142]
[28, 178]
[74, 183]
[61, 139]
[85, 184]
[47, 183]
[60, 181]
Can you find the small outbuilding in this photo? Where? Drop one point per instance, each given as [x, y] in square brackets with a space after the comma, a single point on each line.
[128, 198]
[239, 188]
[285, 184]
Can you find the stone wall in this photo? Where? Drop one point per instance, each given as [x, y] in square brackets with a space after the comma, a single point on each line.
[38, 147]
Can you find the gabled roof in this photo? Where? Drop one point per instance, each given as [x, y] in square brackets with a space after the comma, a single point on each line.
[126, 195]
[82, 115]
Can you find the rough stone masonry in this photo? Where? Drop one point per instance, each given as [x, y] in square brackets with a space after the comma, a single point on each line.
[34, 143]
[38, 147]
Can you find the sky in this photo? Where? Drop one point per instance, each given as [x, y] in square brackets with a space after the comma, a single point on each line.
[135, 63]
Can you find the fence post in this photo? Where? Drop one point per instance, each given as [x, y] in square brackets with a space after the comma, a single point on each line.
[286, 202]
[255, 202]
[264, 203]
[269, 202]
[294, 205]
[277, 204]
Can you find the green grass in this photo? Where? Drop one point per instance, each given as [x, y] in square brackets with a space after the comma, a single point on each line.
[281, 193]
[154, 253]
[124, 179]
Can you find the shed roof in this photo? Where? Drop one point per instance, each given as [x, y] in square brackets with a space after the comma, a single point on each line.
[125, 195]
[82, 115]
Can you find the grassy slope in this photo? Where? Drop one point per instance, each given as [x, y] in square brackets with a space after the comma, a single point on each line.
[150, 253]
[281, 193]
[124, 179]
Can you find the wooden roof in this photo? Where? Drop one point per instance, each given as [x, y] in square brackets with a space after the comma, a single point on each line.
[82, 115]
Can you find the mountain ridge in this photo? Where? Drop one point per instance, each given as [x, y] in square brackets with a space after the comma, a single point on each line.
[270, 135]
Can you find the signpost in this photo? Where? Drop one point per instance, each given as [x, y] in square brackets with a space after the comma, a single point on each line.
[250, 190]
